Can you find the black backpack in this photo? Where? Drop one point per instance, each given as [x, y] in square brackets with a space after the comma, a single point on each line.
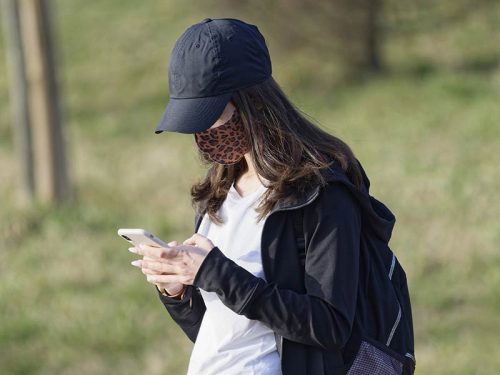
[382, 342]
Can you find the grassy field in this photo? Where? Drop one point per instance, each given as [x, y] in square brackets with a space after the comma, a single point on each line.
[70, 302]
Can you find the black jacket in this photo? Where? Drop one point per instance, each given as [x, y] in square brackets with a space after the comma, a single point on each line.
[311, 309]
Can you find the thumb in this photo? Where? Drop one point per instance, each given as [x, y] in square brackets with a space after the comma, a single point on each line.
[190, 241]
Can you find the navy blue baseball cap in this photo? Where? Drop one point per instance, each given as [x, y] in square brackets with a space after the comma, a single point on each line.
[209, 62]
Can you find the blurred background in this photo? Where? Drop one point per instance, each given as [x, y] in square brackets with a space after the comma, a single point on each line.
[412, 86]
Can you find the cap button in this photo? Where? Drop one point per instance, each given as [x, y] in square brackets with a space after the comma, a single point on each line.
[206, 20]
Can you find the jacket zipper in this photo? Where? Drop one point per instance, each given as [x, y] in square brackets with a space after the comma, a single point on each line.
[261, 260]
[281, 346]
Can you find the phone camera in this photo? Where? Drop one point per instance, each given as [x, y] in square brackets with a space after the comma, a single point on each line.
[128, 239]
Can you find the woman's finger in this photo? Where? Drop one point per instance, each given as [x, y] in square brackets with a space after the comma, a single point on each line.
[161, 267]
[189, 241]
[133, 249]
[156, 279]
[147, 250]
[153, 259]
[156, 252]
[148, 271]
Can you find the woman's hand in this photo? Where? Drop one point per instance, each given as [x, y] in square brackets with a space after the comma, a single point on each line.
[171, 288]
[176, 264]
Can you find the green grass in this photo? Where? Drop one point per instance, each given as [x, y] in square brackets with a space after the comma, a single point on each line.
[71, 303]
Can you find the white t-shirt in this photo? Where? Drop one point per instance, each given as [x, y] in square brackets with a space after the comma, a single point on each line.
[228, 343]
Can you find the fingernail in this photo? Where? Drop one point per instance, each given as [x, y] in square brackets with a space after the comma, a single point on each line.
[136, 263]
[132, 250]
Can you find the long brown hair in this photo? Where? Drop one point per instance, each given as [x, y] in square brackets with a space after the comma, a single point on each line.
[287, 150]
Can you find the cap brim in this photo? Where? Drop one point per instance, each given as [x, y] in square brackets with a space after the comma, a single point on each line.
[192, 115]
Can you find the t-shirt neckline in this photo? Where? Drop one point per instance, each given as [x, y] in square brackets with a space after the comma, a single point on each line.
[235, 192]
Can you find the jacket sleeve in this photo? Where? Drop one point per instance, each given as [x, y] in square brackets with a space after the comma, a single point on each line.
[188, 312]
[323, 317]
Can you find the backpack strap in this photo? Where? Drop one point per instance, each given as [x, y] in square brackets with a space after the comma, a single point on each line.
[298, 228]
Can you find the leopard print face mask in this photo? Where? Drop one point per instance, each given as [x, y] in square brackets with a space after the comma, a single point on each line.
[226, 143]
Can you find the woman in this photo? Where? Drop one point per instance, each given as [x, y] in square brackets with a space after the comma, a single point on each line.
[240, 287]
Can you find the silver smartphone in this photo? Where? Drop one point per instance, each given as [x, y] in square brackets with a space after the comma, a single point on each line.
[137, 236]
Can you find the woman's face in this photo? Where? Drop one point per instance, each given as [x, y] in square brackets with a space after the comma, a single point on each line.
[227, 144]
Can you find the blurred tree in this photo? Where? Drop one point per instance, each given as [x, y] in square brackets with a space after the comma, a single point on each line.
[348, 29]
[34, 94]
[356, 26]
[341, 40]
[428, 15]
[18, 96]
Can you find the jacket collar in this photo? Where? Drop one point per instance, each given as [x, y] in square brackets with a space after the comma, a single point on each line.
[300, 200]
[291, 202]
